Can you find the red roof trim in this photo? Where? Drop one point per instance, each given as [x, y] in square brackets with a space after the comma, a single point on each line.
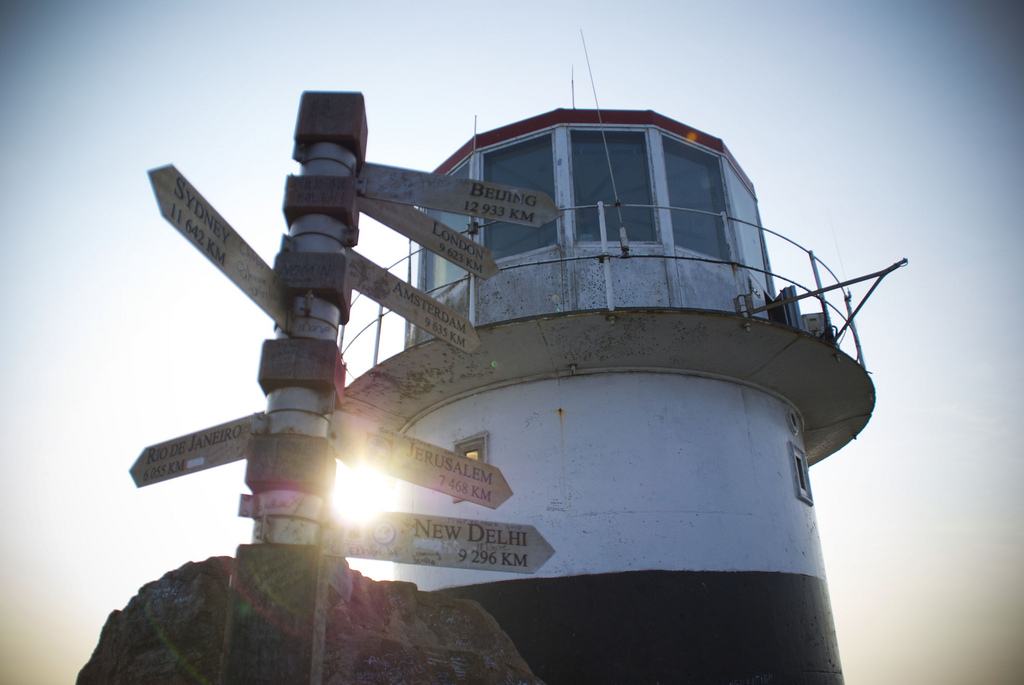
[613, 117]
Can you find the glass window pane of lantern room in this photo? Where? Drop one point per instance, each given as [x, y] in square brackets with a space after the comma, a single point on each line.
[695, 183]
[527, 165]
[438, 271]
[748, 238]
[627, 151]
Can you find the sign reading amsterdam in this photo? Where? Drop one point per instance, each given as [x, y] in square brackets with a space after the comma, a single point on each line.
[461, 196]
[435, 236]
[205, 449]
[413, 305]
[187, 210]
[441, 541]
[355, 439]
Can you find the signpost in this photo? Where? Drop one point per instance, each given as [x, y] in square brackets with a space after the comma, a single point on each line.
[414, 461]
[413, 305]
[434, 235]
[204, 449]
[441, 541]
[193, 217]
[277, 602]
[491, 201]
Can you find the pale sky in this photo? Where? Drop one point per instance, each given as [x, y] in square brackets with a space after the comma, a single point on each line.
[872, 131]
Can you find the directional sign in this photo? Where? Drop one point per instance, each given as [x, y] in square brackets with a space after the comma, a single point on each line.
[437, 237]
[415, 306]
[440, 541]
[215, 446]
[356, 440]
[491, 201]
[187, 210]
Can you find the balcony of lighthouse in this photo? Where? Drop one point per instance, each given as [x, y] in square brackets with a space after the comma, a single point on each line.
[659, 261]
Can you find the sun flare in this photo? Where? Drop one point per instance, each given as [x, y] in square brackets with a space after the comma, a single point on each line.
[361, 493]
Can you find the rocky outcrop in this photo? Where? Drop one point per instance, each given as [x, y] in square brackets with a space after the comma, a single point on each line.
[390, 632]
[172, 633]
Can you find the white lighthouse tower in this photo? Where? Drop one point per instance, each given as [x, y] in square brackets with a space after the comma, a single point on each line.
[655, 423]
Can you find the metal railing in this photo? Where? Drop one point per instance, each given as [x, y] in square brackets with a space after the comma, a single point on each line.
[832, 333]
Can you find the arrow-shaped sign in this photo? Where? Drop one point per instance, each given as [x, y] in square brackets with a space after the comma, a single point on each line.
[432, 234]
[187, 210]
[440, 541]
[205, 449]
[356, 440]
[415, 306]
[482, 199]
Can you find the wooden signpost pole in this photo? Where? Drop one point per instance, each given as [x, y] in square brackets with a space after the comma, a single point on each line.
[278, 593]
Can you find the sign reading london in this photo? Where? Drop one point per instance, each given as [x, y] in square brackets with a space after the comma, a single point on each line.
[187, 210]
[414, 461]
[440, 541]
[434, 235]
[460, 196]
[413, 305]
[204, 449]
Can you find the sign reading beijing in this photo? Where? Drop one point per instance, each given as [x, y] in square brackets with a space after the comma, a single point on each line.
[481, 199]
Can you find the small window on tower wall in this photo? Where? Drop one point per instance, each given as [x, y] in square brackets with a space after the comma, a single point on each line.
[801, 474]
[475, 448]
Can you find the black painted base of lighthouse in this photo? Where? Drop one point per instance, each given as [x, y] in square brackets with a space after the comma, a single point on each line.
[646, 627]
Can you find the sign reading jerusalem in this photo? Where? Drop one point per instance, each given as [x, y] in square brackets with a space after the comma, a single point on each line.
[355, 439]
[441, 541]
[185, 209]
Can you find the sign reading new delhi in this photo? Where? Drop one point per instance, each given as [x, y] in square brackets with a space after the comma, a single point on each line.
[441, 541]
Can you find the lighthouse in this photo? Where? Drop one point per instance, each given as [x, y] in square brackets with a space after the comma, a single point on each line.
[653, 393]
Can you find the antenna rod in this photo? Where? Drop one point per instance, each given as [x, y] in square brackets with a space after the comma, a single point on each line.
[607, 154]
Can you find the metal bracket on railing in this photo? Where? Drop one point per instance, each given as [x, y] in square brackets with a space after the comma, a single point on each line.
[817, 293]
[605, 257]
[744, 303]
[880, 275]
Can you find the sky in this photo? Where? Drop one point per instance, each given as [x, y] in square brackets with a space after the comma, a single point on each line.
[872, 131]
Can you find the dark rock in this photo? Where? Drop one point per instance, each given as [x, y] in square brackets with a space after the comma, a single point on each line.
[172, 633]
[390, 632]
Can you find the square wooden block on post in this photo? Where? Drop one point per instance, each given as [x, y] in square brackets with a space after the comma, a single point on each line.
[338, 118]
